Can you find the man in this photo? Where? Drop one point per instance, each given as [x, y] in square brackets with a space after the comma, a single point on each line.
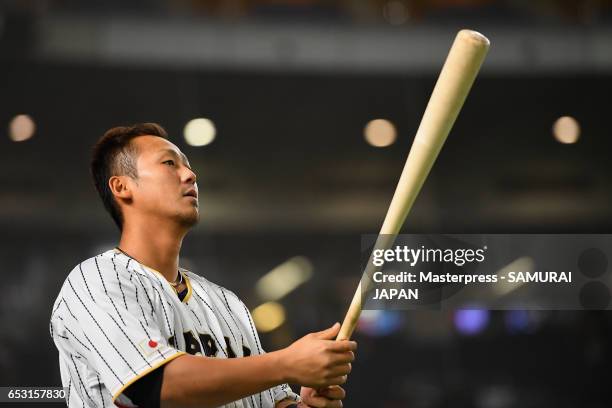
[134, 329]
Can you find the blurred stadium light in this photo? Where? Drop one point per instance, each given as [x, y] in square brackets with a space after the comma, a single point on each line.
[268, 316]
[199, 132]
[284, 278]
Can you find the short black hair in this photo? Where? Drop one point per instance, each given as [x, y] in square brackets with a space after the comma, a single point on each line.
[115, 155]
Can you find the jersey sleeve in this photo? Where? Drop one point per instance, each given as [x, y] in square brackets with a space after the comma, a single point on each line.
[120, 318]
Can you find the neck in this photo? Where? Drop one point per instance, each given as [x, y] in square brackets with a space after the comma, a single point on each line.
[154, 244]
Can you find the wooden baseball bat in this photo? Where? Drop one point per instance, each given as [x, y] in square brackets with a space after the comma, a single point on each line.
[456, 78]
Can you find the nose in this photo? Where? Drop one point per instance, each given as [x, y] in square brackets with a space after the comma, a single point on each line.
[189, 176]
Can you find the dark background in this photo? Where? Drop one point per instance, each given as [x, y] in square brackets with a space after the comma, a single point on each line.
[290, 173]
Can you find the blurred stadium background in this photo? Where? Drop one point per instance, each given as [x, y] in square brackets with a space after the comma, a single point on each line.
[311, 107]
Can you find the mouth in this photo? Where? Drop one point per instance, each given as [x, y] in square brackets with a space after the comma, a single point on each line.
[191, 193]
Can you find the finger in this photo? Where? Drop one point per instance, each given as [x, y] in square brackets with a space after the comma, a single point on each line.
[333, 392]
[328, 334]
[322, 402]
[343, 345]
[315, 401]
[342, 358]
[336, 380]
[339, 370]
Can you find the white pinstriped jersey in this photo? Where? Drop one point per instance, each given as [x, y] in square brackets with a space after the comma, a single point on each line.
[115, 320]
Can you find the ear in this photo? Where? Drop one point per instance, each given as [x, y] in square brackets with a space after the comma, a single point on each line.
[120, 187]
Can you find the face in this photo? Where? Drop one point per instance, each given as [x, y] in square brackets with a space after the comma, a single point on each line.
[166, 186]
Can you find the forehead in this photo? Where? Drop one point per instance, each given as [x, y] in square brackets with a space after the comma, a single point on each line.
[154, 146]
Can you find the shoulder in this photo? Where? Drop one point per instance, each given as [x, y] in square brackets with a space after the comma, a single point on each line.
[101, 264]
[108, 272]
[207, 285]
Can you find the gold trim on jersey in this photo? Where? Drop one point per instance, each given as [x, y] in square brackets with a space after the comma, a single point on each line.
[145, 372]
[187, 283]
[189, 289]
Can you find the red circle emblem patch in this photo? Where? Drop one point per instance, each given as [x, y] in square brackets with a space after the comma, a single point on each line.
[152, 343]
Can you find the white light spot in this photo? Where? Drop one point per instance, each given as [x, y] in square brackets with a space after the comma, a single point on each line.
[380, 133]
[199, 132]
[21, 128]
[566, 130]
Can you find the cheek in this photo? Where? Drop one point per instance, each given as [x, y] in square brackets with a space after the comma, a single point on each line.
[155, 187]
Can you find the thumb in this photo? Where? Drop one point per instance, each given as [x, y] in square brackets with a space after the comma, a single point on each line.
[328, 334]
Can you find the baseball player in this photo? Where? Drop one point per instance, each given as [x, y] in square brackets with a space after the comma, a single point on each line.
[134, 329]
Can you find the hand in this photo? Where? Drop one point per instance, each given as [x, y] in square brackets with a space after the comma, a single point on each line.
[330, 397]
[318, 361]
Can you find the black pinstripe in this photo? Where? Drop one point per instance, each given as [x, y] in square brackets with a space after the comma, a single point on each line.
[212, 332]
[196, 316]
[163, 308]
[80, 380]
[134, 273]
[256, 343]
[100, 388]
[70, 311]
[57, 307]
[106, 292]
[77, 339]
[229, 310]
[161, 298]
[85, 281]
[139, 305]
[130, 340]
[259, 350]
[119, 281]
[104, 360]
[68, 396]
[223, 317]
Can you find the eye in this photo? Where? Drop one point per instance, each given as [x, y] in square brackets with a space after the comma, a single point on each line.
[169, 162]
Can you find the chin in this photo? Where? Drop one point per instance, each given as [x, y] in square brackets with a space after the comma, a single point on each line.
[191, 219]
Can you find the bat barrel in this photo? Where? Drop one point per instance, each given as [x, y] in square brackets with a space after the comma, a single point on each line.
[456, 78]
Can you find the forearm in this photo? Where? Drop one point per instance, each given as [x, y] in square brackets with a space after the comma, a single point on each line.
[210, 382]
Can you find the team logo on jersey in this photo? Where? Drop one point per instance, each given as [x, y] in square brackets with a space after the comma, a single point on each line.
[206, 345]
